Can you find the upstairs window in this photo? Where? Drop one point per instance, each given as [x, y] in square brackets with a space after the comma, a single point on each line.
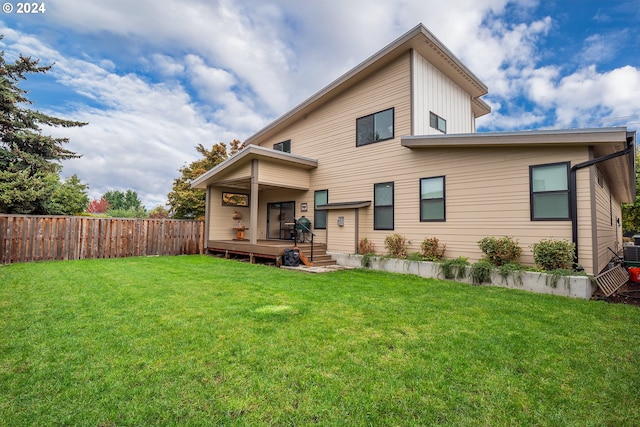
[549, 191]
[432, 206]
[284, 146]
[437, 122]
[374, 127]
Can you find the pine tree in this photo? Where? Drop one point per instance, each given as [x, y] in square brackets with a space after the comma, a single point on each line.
[29, 160]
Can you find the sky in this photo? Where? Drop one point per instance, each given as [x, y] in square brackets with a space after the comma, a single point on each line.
[154, 79]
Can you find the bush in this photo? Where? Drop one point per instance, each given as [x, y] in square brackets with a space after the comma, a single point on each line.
[366, 246]
[432, 250]
[454, 268]
[551, 254]
[499, 251]
[416, 256]
[481, 272]
[396, 244]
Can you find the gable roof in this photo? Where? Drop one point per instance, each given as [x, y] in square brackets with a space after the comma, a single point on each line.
[419, 39]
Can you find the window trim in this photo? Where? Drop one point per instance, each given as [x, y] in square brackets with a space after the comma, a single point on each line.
[443, 198]
[393, 126]
[316, 211]
[437, 118]
[392, 205]
[567, 191]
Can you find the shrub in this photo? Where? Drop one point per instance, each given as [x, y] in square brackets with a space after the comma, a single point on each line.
[454, 268]
[432, 250]
[499, 251]
[481, 272]
[396, 244]
[366, 246]
[415, 256]
[551, 254]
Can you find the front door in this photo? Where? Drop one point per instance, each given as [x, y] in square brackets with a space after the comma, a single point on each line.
[280, 220]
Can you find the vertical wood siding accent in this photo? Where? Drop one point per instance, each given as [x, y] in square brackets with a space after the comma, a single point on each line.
[42, 238]
[433, 91]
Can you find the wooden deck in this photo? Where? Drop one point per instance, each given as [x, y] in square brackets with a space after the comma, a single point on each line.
[271, 249]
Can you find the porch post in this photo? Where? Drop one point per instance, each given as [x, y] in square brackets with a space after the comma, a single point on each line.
[253, 220]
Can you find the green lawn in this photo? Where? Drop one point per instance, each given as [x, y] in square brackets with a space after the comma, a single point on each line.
[202, 341]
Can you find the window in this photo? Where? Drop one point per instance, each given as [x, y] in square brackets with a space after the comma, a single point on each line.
[549, 191]
[432, 207]
[374, 127]
[383, 206]
[437, 122]
[320, 197]
[283, 146]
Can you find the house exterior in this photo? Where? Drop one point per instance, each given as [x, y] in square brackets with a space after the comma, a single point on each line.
[390, 147]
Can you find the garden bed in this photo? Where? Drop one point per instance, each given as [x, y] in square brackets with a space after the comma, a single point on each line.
[570, 286]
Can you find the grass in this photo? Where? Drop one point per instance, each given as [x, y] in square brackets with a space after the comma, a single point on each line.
[203, 341]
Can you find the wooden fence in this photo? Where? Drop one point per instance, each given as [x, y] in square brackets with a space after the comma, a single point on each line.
[39, 238]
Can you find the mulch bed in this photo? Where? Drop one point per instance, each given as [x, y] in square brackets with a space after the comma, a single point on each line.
[628, 294]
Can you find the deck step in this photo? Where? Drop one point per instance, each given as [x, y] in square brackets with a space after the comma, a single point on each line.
[320, 256]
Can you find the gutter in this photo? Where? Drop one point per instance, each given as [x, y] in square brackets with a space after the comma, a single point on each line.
[573, 187]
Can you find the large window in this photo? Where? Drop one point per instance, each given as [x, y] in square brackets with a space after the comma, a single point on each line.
[374, 127]
[432, 206]
[320, 197]
[550, 191]
[437, 122]
[383, 206]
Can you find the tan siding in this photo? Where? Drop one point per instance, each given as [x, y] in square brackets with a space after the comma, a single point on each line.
[221, 222]
[342, 238]
[435, 92]
[607, 211]
[275, 173]
[241, 172]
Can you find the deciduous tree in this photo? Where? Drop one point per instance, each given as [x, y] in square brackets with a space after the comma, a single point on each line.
[189, 203]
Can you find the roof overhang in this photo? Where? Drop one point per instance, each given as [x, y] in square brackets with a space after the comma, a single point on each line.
[344, 205]
[215, 176]
[419, 39]
[619, 171]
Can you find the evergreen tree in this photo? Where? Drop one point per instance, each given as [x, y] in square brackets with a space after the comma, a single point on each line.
[29, 160]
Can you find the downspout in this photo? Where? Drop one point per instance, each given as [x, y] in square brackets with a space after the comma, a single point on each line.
[573, 188]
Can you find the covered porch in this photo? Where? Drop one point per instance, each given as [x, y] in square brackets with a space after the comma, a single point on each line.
[253, 200]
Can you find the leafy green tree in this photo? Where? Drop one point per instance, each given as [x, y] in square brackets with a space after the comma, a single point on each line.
[189, 203]
[631, 211]
[68, 198]
[29, 160]
[124, 204]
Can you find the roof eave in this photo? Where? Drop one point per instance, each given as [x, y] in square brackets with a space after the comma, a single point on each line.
[538, 138]
[253, 152]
